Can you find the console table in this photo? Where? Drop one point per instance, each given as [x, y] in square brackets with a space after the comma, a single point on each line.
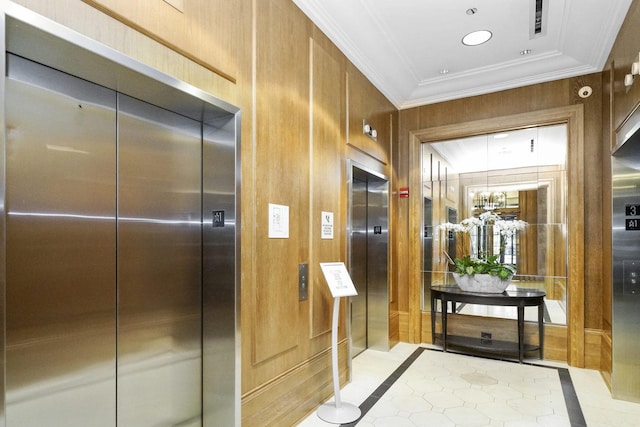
[519, 298]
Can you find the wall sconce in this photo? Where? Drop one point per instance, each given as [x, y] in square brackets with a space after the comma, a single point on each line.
[635, 70]
[369, 131]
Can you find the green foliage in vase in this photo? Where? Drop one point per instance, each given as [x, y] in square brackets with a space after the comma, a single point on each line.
[490, 265]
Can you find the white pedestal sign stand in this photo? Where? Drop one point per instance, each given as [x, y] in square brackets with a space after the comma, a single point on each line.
[340, 285]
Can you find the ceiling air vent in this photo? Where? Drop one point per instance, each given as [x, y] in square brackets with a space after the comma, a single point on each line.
[538, 18]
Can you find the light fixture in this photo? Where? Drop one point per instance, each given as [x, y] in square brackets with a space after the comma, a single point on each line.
[444, 71]
[635, 70]
[525, 52]
[628, 80]
[369, 131]
[476, 38]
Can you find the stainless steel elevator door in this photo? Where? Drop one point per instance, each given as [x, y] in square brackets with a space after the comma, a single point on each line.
[358, 265]
[377, 264]
[159, 267]
[369, 262]
[625, 168]
[60, 294]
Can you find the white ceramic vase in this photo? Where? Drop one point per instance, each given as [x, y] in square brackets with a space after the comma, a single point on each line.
[481, 283]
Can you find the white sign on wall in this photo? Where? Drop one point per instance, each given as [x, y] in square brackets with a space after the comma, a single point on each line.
[278, 221]
[327, 225]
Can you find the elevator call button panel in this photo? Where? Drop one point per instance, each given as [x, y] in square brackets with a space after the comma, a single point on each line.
[631, 277]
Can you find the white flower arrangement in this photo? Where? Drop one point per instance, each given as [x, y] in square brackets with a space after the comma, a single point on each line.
[488, 263]
[504, 227]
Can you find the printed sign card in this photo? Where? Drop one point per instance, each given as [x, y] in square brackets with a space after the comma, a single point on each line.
[338, 279]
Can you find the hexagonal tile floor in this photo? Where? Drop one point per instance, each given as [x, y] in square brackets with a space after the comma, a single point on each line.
[416, 386]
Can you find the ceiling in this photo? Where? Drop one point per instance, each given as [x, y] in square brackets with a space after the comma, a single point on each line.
[403, 46]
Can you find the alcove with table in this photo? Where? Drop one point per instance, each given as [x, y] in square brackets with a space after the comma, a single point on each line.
[516, 175]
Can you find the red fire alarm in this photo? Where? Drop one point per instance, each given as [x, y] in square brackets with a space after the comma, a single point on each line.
[404, 192]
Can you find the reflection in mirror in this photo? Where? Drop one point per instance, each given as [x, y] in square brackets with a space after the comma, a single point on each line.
[427, 264]
[518, 175]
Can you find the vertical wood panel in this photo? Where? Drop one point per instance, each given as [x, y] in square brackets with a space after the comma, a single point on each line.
[403, 236]
[327, 175]
[593, 200]
[282, 176]
[608, 138]
[528, 204]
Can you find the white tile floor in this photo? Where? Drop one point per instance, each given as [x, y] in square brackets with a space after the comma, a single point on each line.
[446, 389]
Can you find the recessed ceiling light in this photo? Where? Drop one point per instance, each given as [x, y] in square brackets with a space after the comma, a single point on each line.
[444, 71]
[476, 38]
[472, 11]
[525, 52]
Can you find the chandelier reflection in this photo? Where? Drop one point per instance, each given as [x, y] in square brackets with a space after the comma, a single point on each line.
[489, 201]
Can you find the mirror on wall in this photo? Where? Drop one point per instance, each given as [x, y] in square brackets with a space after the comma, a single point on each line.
[519, 175]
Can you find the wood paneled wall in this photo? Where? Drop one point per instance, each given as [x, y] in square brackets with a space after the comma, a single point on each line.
[303, 105]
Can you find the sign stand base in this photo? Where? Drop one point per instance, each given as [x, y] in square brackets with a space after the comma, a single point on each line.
[337, 412]
[344, 414]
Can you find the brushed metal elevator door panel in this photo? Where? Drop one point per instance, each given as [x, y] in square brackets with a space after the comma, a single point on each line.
[159, 267]
[358, 266]
[377, 259]
[60, 295]
[219, 275]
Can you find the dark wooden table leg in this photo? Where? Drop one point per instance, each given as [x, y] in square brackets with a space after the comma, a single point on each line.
[520, 333]
[433, 319]
[445, 305]
[541, 329]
